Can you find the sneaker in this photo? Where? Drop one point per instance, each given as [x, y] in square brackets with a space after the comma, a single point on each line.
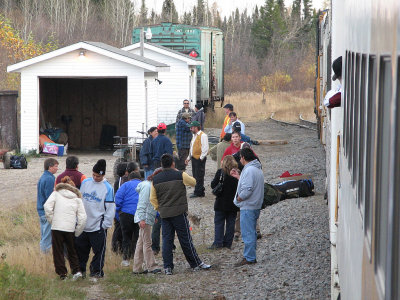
[155, 271]
[63, 277]
[259, 235]
[83, 275]
[236, 238]
[76, 276]
[168, 271]
[202, 266]
[244, 262]
[125, 263]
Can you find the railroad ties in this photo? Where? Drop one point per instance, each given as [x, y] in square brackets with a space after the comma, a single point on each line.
[303, 123]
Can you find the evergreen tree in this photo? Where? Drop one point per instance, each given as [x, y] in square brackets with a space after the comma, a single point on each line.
[201, 12]
[168, 12]
[143, 14]
[307, 10]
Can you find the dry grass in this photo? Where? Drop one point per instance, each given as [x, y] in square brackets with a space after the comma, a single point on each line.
[19, 242]
[249, 106]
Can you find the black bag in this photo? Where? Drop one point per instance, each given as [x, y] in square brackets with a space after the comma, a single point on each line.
[217, 191]
[271, 195]
[296, 188]
[18, 162]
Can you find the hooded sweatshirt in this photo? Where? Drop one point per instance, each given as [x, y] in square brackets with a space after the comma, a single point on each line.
[145, 211]
[98, 200]
[64, 209]
[250, 187]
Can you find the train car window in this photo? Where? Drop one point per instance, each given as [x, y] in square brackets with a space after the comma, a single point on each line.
[382, 164]
[396, 195]
[345, 104]
[362, 139]
[356, 127]
[370, 148]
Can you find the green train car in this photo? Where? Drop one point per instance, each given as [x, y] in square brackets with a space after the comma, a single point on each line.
[205, 43]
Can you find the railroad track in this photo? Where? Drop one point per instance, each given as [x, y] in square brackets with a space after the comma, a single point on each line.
[303, 123]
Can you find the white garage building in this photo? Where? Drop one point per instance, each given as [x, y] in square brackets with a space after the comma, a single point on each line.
[178, 84]
[90, 89]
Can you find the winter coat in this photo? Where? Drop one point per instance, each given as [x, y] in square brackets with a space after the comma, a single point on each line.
[225, 201]
[45, 187]
[145, 211]
[251, 186]
[160, 145]
[126, 199]
[200, 117]
[64, 209]
[218, 150]
[145, 154]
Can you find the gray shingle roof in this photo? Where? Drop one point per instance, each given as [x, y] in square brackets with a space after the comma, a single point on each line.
[126, 53]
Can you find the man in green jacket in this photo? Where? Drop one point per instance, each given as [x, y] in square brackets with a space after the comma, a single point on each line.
[168, 196]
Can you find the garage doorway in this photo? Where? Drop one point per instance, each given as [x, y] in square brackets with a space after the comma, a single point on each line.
[90, 110]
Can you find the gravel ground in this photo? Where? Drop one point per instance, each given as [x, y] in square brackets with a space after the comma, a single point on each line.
[293, 255]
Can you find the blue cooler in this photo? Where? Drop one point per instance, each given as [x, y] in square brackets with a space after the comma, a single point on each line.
[60, 150]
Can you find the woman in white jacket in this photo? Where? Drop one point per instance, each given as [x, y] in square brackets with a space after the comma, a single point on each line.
[66, 214]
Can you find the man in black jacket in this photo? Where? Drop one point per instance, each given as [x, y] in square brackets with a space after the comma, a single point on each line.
[145, 152]
[168, 196]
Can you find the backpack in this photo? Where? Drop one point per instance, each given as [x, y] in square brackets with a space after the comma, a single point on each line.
[271, 195]
[296, 188]
[18, 162]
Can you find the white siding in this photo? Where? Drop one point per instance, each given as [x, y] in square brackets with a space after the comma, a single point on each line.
[175, 85]
[70, 65]
[152, 101]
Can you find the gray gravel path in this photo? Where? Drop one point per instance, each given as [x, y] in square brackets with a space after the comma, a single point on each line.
[293, 254]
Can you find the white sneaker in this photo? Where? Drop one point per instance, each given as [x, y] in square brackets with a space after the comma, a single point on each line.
[125, 263]
[76, 276]
[202, 266]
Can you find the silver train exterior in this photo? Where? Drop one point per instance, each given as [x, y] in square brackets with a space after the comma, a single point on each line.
[362, 144]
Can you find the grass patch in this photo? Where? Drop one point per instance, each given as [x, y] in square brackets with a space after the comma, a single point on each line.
[250, 107]
[123, 284]
[15, 283]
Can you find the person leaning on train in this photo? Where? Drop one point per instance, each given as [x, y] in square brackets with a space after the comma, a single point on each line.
[333, 97]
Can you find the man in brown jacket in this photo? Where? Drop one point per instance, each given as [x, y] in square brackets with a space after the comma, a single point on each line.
[168, 196]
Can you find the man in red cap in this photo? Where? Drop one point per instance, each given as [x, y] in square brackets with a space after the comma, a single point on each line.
[160, 145]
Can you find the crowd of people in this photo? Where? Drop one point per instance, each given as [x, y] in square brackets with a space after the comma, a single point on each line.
[75, 212]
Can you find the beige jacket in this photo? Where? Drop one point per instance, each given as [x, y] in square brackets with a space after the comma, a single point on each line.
[64, 209]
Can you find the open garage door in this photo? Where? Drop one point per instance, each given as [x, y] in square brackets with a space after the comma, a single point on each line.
[90, 110]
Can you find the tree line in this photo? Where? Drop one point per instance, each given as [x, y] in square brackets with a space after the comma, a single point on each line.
[271, 39]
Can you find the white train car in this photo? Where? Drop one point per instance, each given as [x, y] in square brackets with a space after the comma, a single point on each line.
[362, 146]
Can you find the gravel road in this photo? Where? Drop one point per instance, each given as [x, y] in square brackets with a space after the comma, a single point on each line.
[293, 255]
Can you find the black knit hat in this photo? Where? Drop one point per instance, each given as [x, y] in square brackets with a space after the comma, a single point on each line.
[100, 167]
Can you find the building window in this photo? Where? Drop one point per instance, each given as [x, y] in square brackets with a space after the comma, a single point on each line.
[362, 131]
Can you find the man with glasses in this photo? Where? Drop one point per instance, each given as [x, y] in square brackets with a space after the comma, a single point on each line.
[185, 109]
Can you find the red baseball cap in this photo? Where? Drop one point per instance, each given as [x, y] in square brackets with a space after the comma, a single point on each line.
[161, 126]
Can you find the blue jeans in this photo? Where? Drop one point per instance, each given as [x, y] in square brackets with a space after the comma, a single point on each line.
[248, 224]
[45, 235]
[180, 225]
[147, 173]
[223, 237]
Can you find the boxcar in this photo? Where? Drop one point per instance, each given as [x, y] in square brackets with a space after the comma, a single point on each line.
[205, 43]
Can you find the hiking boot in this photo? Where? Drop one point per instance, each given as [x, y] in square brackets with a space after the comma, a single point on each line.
[196, 196]
[76, 276]
[168, 271]
[214, 247]
[244, 262]
[202, 266]
[125, 263]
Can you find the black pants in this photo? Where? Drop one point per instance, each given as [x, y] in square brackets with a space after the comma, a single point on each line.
[92, 240]
[182, 156]
[180, 225]
[116, 242]
[130, 234]
[199, 170]
[59, 239]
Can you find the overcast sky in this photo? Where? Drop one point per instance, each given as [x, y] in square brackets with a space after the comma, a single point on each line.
[225, 6]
